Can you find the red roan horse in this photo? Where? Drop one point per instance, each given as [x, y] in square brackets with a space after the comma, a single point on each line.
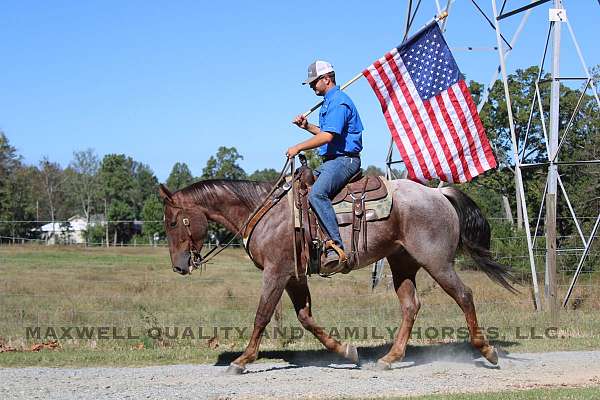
[426, 228]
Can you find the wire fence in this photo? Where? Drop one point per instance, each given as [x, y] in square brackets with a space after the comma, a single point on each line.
[66, 232]
[121, 286]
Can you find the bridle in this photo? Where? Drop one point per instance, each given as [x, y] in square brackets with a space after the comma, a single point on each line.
[195, 255]
[196, 258]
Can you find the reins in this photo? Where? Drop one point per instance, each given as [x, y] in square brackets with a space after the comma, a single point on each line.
[196, 258]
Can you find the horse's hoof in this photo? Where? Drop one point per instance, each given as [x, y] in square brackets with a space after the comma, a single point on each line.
[491, 355]
[383, 366]
[235, 369]
[351, 353]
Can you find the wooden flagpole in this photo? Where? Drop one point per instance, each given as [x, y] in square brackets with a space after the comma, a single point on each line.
[440, 17]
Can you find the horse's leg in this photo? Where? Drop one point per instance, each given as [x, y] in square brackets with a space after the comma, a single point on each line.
[449, 280]
[404, 270]
[274, 282]
[300, 296]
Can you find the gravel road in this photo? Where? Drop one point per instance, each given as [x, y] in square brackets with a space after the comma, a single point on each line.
[422, 372]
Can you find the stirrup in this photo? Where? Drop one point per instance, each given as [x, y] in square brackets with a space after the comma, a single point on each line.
[345, 261]
[341, 254]
[342, 265]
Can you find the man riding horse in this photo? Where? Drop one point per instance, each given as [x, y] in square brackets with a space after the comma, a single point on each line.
[424, 229]
[339, 139]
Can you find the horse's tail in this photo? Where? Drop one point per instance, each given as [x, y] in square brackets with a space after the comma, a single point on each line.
[475, 237]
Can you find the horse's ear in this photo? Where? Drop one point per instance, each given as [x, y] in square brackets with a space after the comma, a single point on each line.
[164, 193]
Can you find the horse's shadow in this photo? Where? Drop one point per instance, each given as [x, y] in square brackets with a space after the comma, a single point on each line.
[461, 352]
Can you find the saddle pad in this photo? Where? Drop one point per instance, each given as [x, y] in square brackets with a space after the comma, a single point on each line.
[374, 209]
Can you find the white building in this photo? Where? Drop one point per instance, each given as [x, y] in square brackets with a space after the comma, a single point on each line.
[70, 232]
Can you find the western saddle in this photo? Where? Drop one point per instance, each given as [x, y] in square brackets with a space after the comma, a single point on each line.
[312, 241]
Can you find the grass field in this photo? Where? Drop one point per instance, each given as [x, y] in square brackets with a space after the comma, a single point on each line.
[150, 315]
[590, 393]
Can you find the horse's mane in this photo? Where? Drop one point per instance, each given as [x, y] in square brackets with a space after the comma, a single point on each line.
[250, 193]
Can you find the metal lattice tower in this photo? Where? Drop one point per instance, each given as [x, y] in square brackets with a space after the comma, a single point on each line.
[557, 17]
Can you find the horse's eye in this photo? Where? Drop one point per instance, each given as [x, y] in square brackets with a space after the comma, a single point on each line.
[173, 224]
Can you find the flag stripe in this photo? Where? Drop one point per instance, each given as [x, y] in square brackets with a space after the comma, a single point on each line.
[476, 143]
[410, 130]
[464, 145]
[452, 140]
[418, 124]
[447, 154]
[392, 125]
[429, 132]
[489, 154]
[391, 94]
[465, 129]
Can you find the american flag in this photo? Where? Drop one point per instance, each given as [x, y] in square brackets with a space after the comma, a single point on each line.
[429, 110]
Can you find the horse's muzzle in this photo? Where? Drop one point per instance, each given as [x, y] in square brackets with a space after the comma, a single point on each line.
[182, 263]
[181, 271]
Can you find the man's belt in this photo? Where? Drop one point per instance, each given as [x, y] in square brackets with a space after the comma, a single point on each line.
[328, 157]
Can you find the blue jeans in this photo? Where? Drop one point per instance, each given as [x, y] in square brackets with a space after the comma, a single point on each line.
[332, 176]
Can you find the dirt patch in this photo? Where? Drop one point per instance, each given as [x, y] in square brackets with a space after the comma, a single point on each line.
[309, 376]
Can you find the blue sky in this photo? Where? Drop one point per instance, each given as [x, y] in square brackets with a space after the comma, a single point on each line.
[172, 81]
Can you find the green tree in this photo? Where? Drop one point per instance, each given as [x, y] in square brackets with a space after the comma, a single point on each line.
[18, 204]
[10, 190]
[122, 215]
[118, 184]
[126, 185]
[374, 171]
[84, 183]
[180, 177]
[9, 159]
[145, 186]
[312, 158]
[224, 165]
[582, 183]
[116, 176]
[152, 214]
[580, 143]
[494, 116]
[264, 175]
[53, 179]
